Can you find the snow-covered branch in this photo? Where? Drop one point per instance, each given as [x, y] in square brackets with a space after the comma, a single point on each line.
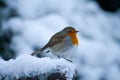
[28, 67]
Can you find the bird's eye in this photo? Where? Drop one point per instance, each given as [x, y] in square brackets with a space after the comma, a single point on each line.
[69, 31]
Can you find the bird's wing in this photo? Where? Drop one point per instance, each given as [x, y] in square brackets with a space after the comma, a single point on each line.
[57, 38]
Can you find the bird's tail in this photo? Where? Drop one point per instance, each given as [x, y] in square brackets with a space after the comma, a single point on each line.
[36, 52]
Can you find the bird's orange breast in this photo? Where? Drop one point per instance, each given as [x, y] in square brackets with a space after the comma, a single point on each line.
[73, 38]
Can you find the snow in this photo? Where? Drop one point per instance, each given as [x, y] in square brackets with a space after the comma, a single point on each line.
[27, 65]
[99, 45]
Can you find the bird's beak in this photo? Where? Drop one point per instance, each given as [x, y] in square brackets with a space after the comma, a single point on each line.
[77, 31]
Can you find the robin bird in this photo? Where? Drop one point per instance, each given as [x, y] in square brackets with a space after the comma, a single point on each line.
[61, 43]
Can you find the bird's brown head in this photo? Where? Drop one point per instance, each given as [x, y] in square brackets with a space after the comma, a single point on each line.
[71, 32]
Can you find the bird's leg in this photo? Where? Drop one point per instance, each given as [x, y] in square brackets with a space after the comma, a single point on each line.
[67, 59]
[48, 51]
[59, 57]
